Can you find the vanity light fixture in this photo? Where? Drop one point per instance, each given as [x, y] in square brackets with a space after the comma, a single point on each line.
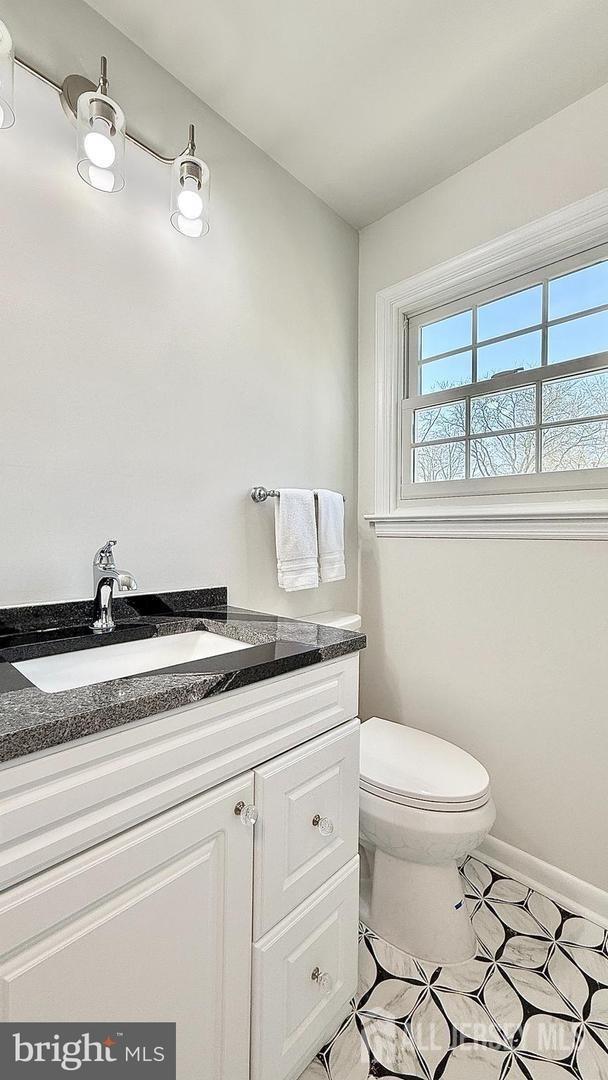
[7, 78]
[100, 129]
[190, 192]
[101, 134]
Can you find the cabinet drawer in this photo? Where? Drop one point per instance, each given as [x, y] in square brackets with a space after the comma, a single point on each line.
[293, 855]
[294, 1011]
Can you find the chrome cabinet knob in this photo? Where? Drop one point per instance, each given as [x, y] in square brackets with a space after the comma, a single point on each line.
[247, 812]
[322, 979]
[324, 824]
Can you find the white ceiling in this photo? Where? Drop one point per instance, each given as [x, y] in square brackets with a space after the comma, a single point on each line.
[370, 102]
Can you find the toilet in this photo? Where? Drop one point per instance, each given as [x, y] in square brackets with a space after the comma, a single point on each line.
[424, 805]
[342, 620]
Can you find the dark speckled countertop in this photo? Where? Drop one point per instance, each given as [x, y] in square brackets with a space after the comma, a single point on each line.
[31, 719]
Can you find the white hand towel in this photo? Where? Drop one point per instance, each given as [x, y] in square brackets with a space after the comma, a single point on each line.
[296, 539]
[331, 535]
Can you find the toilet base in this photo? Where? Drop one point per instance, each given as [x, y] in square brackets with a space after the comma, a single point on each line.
[420, 908]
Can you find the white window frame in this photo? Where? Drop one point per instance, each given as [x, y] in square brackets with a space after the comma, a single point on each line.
[545, 505]
[537, 481]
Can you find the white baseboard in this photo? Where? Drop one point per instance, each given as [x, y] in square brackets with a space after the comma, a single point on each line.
[579, 897]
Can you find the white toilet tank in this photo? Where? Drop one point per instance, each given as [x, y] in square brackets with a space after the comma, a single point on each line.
[343, 620]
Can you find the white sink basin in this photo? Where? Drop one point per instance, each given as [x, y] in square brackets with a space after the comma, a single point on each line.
[66, 671]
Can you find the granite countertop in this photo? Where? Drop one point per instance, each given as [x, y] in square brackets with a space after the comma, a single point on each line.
[32, 720]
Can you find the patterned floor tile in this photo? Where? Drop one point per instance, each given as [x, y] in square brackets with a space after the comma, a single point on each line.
[531, 1005]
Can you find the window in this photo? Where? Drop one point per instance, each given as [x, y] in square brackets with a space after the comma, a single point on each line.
[507, 390]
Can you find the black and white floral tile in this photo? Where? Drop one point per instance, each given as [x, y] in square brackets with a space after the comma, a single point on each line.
[531, 1005]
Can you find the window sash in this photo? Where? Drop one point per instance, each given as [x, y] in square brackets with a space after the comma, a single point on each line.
[536, 481]
[542, 276]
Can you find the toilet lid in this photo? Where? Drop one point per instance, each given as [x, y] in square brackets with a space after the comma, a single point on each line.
[405, 764]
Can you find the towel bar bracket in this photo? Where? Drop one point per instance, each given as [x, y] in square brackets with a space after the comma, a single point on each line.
[260, 494]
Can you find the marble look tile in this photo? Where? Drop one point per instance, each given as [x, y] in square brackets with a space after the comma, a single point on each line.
[592, 962]
[477, 877]
[504, 1005]
[577, 931]
[506, 889]
[347, 1055]
[393, 961]
[393, 999]
[546, 913]
[315, 1071]
[568, 980]
[527, 952]
[392, 1047]
[532, 1005]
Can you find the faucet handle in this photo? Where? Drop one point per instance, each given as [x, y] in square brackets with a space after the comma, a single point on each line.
[105, 557]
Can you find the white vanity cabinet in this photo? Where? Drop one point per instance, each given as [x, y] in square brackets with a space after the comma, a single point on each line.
[135, 891]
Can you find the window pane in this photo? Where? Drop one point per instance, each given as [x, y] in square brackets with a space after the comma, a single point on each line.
[510, 313]
[447, 334]
[576, 397]
[441, 422]
[575, 446]
[580, 337]
[503, 455]
[499, 412]
[444, 461]
[443, 374]
[583, 289]
[519, 352]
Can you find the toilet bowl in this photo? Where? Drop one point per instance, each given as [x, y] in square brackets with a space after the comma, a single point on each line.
[424, 805]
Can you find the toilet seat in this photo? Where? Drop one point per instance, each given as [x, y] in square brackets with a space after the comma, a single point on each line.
[423, 804]
[411, 767]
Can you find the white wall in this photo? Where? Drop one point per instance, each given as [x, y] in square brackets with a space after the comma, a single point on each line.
[499, 646]
[149, 381]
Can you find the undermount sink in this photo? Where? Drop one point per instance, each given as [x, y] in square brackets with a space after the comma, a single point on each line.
[66, 671]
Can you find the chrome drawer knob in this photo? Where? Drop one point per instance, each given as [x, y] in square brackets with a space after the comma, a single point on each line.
[324, 824]
[247, 812]
[322, 979]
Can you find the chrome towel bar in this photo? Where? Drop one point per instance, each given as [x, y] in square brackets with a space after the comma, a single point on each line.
[260, 494]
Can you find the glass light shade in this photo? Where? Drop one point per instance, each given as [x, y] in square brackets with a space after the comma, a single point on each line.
[100, 125]
[190, 196]
[7, 78]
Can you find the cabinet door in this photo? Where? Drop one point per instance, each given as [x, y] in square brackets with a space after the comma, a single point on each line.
[309, 821]
[154, 924]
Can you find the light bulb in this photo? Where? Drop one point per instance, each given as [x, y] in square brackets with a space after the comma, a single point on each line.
[189, 206]
[102, 179]
[189, 201]
[99, 147]
[100, 139]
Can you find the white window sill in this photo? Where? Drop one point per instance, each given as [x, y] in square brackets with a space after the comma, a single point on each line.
[556, 521]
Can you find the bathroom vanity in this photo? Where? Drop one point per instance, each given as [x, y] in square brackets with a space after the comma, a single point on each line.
[181, 844]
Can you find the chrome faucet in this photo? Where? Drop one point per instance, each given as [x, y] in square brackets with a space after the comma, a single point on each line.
[104, 576]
